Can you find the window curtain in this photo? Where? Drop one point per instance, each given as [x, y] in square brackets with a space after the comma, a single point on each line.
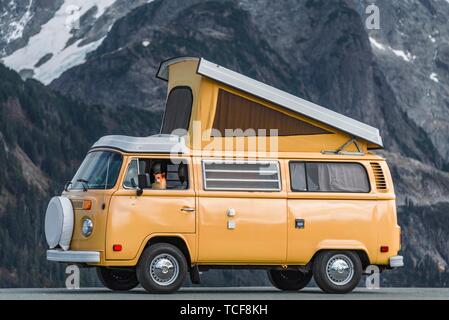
[336, 177]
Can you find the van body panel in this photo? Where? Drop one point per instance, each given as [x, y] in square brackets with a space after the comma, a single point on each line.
[331, 224]
[133, 218]
[389, 232]
[188, 239]
[259, 235]
[99, 217]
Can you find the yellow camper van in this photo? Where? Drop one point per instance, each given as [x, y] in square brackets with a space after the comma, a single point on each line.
[243, 175]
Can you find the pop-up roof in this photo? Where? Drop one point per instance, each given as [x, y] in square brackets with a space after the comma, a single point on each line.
[353, 128]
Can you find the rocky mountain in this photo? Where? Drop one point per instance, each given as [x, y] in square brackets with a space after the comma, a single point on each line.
[43, 38]
[412, 50]
[123, 67]
[395, 78]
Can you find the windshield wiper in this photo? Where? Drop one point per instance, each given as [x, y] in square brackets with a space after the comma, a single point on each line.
[84, 183]
[66, 186]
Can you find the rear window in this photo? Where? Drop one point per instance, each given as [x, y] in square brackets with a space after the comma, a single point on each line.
[329, 177]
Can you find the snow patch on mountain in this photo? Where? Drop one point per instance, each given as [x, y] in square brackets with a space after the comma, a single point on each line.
[406, 56]
[18, 26]
[434, 77]
[51, 41]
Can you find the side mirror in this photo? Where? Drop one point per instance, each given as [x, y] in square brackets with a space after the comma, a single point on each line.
[143, 182]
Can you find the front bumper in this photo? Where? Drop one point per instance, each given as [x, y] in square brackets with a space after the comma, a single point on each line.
[73, 256]
[397, 262]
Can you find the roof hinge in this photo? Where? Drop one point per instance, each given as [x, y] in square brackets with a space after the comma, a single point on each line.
[340, 150]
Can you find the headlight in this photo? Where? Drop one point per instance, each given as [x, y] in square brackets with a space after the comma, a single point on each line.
[88, 226]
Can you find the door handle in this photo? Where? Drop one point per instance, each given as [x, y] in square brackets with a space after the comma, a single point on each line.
[187, 209]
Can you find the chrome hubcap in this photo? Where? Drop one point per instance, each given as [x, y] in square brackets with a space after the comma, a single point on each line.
[340, 270]
[164, 269]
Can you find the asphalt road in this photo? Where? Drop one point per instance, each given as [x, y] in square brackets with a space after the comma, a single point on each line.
[202, 293]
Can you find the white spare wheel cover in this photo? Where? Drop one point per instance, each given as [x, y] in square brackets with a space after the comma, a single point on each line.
[59, 223]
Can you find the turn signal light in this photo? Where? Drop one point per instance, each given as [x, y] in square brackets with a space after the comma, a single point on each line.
[117, 247]
[384, 249]
[87, 204]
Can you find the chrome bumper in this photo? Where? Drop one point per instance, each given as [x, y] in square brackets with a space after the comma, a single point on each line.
[397, 262]
[73, 256]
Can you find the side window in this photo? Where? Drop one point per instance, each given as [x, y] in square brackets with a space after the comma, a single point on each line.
[177, 110]
[298, 176]
[241, 176]
[162, 174]
[329, 177]
[131, 175]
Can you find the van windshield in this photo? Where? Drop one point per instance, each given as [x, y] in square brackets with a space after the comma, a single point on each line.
[99, 170]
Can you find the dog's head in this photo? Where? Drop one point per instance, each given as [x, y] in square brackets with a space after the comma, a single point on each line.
[160, 177]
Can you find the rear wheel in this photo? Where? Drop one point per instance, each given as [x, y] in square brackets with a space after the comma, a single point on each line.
[117, 279]
[289, 280]
[162, 268]
[337, 271]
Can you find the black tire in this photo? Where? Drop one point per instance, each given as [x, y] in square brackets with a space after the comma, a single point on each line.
[289, 280]
[117, 279]
[150, 269]
[337, 281]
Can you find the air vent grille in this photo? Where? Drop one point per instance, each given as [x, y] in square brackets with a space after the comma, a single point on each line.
[381, 183]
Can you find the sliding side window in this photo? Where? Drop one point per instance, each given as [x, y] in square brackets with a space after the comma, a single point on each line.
[261, 176]
[329, 177]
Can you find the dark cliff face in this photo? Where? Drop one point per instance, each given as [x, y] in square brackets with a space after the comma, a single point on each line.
[122, 70]
[426, 257]
[412, 46]
[328, 44]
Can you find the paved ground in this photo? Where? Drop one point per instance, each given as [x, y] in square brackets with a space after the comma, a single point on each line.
[225, 294]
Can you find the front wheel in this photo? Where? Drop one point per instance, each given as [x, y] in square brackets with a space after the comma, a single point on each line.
[289, 280]
[162, 268]
[337, 271]
[117, 279]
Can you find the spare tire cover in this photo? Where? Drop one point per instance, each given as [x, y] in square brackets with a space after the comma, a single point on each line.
[59, 223]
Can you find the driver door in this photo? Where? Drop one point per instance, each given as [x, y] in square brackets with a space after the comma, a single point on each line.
[134, 218]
